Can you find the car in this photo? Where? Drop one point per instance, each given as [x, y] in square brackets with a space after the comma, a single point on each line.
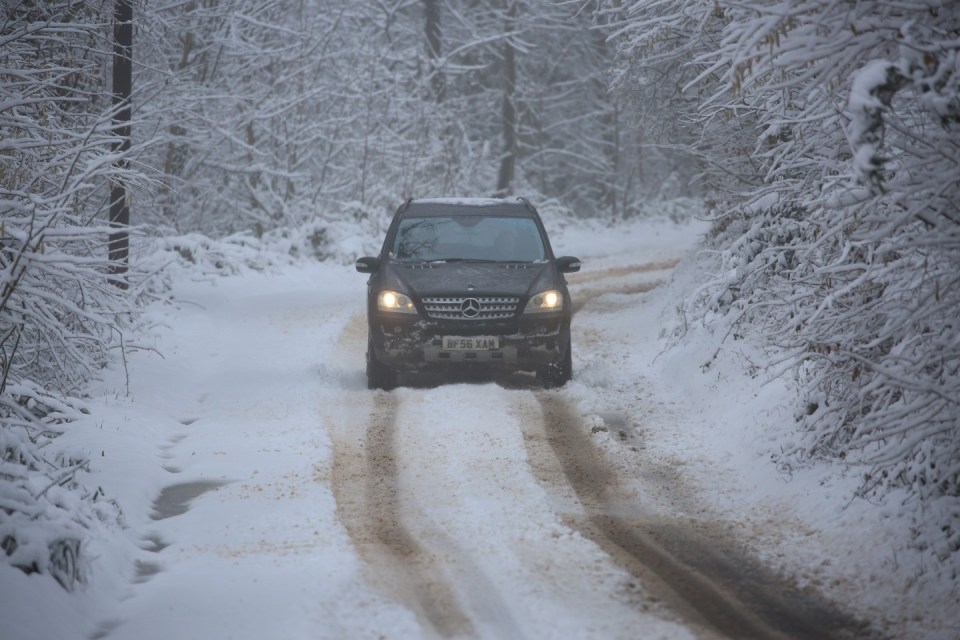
[465, 284]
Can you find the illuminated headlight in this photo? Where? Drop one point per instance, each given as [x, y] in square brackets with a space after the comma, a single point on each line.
[396, 302]
[546, 301]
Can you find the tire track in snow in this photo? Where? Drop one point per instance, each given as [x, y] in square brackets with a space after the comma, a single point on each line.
[583, 296]
[434, 595]
[365, 485]
[700, 578]
[366, 488]
[587, 285]
[584, 277]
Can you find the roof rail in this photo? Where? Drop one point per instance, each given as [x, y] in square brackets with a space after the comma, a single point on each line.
[527, 204]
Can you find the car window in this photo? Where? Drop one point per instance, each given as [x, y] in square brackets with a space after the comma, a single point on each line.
[470, 237]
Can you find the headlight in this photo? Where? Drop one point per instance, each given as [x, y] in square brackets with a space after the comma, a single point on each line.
[545, 301]
[395, 302]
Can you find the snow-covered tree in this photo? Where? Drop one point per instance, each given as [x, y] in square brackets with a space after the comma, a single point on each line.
[60, 313]
[662, 87]
[268, 115]
[845, 249]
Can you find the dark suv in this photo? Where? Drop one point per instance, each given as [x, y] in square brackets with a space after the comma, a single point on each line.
[467, 283]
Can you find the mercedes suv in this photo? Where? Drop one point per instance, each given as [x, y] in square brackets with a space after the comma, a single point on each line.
[464, 284]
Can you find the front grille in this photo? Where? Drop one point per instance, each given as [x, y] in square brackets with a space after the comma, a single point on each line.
[458, 308]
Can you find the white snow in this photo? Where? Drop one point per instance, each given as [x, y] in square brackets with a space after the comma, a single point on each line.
[253, 377]
[473, 202]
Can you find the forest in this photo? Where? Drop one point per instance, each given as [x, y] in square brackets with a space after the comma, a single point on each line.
[822, 136]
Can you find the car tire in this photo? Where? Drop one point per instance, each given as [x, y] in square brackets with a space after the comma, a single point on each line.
[558, 373]
[379, 375]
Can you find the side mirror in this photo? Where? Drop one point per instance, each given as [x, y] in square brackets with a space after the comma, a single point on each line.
[568, 264]
[367, 264]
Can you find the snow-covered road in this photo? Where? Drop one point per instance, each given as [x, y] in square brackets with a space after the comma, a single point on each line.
[454, 510]
[269, 494]
[321, 509]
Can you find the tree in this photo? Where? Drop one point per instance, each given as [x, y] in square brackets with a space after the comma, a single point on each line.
[508, 158]
[60, 316]
[434, 47]
[842, 247]
[270, 117]
[664, 85]
[122, 84]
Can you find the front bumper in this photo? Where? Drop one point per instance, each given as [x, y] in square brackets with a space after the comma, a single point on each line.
[414, 344]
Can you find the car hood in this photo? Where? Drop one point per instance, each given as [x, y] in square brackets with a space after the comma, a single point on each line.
[459, 278]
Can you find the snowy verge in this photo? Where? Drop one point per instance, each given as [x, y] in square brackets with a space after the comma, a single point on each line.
[705, 402]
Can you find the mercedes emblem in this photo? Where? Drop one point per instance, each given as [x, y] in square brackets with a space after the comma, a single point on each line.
[470, 308]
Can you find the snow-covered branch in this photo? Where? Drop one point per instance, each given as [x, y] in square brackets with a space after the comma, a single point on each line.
[59, 313]
[844, 251]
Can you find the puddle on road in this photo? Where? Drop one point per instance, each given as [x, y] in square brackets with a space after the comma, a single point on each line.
[175, 499]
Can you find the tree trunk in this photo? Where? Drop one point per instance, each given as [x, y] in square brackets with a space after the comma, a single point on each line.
[508, 159]
[431, 28]
[119, 246]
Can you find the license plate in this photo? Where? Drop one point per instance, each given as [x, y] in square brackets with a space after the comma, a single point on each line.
[470, 343]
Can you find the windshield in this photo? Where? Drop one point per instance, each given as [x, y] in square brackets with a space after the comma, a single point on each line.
[468, 238]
